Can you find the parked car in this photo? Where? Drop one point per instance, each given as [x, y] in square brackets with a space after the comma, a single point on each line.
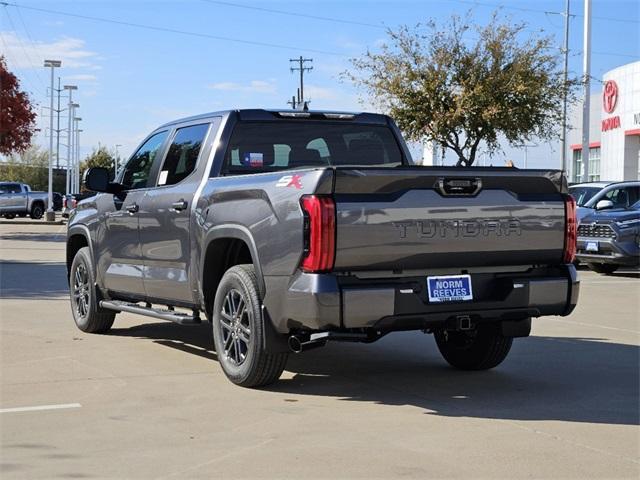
[17, 199]
[587, 195]
[610, 237]
[289, 229]
[57, 201]
[70, 201]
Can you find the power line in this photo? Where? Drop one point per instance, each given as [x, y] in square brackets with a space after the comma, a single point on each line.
[534, 10]
[24, 50]
[295, 14]
[172, 30]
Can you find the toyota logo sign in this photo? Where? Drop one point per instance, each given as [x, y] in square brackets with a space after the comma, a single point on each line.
[610, 96]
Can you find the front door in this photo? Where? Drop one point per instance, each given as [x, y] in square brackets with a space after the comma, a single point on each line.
[165, 222]
[119, 257]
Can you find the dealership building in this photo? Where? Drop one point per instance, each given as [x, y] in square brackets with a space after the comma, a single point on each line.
[614, 130]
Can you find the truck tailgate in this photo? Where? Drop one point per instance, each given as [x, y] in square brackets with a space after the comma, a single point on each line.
[420, 217]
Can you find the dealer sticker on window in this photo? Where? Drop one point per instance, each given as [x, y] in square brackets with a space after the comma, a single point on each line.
[449, 288]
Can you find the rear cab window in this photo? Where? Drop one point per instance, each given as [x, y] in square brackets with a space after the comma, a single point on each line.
[264, 146]
[183, 154]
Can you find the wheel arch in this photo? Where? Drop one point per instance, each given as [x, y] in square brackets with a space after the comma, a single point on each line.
[224, 247]
[78, 236]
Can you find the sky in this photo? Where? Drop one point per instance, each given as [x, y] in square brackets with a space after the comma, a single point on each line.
[196, 56]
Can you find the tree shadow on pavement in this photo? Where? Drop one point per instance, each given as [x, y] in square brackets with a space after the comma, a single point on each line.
[544, 378]
[33, 280]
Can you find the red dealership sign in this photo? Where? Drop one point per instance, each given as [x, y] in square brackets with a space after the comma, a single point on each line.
[610, 96]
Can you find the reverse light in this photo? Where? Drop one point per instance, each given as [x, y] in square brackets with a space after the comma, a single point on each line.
[571, 229]
[319, 233]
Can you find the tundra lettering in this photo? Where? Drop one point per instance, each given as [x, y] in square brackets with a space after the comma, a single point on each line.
[459, 228]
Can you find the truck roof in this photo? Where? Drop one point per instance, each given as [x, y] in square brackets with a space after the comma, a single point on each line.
[283, 113]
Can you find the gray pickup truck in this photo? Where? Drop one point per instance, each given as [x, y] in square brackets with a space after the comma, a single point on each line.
[17, 199]
[290, 229]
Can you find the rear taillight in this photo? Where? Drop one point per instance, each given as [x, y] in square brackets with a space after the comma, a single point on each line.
[64, 203]
[74, 203]
[570, 229]
[319, 233]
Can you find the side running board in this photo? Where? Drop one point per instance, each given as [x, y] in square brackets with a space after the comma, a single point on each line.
[170, 315]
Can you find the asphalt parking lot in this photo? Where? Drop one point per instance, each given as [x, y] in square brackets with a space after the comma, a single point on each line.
[148, 400]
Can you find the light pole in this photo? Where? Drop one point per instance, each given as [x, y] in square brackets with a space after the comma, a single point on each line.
[51, 215]
[117, 161]
[70, 107]
[586, 101]
[76, 166]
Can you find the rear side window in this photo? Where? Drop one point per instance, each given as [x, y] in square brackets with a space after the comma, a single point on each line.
[136, 172]
[10, 188]
[183, 154]
[271, 146]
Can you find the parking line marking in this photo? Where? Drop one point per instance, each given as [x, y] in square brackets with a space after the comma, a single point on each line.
[592, 325]
[40, 407]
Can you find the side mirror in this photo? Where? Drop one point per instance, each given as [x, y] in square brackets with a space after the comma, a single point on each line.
[604, 204]
[96, 179]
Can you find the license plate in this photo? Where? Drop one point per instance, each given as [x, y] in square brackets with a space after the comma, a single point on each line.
[449, 288]
[592, 246]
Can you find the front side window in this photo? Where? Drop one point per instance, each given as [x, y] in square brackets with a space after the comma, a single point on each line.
[272, 146]
[183, 154]
[623, 197]
[136, 172]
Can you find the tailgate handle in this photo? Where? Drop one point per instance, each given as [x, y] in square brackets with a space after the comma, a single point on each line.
[459, 186]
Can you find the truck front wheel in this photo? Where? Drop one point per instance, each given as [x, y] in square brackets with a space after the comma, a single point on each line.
[89, 317]
[479, 349]
[238, 331]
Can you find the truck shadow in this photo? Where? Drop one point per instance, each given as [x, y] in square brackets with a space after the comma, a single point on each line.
[544, 378]
[33, 280]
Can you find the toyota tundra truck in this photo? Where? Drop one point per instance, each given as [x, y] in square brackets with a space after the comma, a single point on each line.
[287, 230]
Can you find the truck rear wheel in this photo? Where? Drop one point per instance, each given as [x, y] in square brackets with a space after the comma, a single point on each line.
[89, 317]
[37, 210]
[605, 268]
[238, 331]
[479, 349]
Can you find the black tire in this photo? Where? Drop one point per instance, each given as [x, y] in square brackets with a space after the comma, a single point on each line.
[9, 216]
[89, 317]
[243, 361]
[605, 268]
[37, 210]
[479, 349]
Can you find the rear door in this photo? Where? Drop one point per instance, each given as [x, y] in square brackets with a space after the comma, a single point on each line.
[165, 220]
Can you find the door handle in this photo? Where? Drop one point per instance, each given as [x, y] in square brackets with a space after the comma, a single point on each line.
[179, 205]
[133, 208]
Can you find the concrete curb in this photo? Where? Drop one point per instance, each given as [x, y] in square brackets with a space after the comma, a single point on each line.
[31, 222]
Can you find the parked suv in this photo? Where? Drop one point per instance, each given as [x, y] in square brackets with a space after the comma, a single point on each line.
[289, 229]
[610, 237]
[587, 195]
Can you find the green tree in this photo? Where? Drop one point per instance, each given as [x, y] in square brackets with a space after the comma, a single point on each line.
[463, 86]
[100, 157]
[29, 166]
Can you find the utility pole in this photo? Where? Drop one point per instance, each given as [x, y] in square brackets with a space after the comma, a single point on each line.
[565, 74]
[586, 101]
[301, 68]
[70, 108]
[50, 214]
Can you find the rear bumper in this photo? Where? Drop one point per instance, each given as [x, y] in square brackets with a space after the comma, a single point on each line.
[328, 302]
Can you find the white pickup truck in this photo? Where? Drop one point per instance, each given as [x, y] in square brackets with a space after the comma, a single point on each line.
[18, 199]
